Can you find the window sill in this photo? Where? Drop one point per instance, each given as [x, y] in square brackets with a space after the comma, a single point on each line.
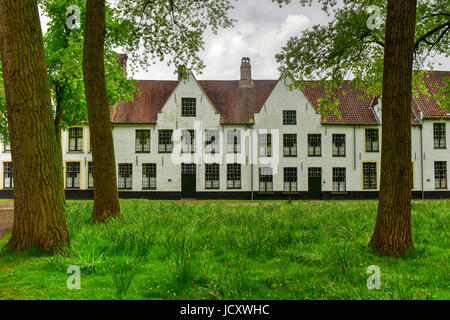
[72, 188]
[339, 156]
[286, 156]
[265, 192]
[75, 151]
[291, 192]
[440, 148]
[314, 156]
[339, 192]
[375, 151]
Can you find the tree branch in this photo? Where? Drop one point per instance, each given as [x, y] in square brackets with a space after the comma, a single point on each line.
[429, 33]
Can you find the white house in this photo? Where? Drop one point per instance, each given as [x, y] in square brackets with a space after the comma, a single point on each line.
[252, 139]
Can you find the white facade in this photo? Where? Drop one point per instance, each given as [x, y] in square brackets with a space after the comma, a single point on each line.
[270, 119]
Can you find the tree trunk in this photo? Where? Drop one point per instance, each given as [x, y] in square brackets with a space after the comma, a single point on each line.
[39, 219]
[106, 198]
[392, 235]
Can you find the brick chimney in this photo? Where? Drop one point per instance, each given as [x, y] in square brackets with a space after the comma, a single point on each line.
[246, 73]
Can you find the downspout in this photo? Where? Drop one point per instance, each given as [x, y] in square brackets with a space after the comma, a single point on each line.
[421, 156]
[251, 164]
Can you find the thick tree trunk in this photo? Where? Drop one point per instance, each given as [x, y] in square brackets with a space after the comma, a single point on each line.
[106, 198]
[38, 207]
[392, 235]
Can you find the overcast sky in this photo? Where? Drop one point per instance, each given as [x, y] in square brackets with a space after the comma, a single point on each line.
[262, 29]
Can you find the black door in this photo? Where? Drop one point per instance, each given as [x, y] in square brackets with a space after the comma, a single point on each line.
[188, 180]
[315, 183]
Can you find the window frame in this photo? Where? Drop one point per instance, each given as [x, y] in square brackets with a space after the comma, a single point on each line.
[289, 117]
[288, 177]
[265, 179]
[147, 175]
[90, 172]
[141, 147]
[443, 171]
[369, 145]
[79, 145]
[339, 178]
[439, 134]
[10, 173]
[370, 178]
[336, 149]
[130, 177]
[163, 135]
[314, 144]
[234, 174]
[265, 142]
[188, 110]
[212, 174]
[69, 164]
[292, 150]
[234, 137]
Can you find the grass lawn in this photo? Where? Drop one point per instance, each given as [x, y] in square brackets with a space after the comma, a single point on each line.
[214, 250]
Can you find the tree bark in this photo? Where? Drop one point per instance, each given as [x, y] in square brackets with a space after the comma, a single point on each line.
[39, 219]
[106, 198]
[392, 235]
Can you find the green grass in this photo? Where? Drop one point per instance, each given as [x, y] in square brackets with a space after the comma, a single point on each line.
[213, 250]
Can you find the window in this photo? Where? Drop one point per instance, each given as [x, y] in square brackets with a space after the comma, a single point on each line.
[188, 106]
[234, 176]
[369, 175]
[265, 145]
[8, 181]
[440, 174]
[338, 145]
[439, 135]
[290, 145]
[90, 175]
[75, 139]
[234, 141]
[211, 141]
[372, 144]
[142, 141]
[72, 175]
[165, 144]
[149, 176]
[339, 179]
[289, 117]
[125, 176]
[212, 176]
[265, 180]
[314, 145]
[290, 179]
[188, 141]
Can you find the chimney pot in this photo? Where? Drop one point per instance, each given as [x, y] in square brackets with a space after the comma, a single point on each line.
[246, 73]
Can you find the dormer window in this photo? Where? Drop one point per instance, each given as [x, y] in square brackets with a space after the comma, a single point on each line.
[188, 107]
[289, 117]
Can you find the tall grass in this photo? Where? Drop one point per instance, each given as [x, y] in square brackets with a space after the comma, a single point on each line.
[298, 250]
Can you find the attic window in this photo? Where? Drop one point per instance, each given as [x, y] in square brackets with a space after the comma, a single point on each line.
[188, 107]
[289, 117]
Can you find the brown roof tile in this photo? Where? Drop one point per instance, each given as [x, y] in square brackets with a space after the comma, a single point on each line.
[354, 105]
[429, 106]
[238, 104]
[146, 104]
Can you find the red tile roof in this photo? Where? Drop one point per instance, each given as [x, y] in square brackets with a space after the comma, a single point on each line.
[238, 104]
[429, 106]
[354, 104]
[146, 104]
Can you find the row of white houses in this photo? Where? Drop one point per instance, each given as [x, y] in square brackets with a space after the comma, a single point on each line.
[251, 139]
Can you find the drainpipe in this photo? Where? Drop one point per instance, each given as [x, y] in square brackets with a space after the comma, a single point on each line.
[354, 147]
[421, 156]
[251, 163]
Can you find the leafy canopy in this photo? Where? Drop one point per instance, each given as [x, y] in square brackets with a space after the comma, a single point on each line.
[346, 48]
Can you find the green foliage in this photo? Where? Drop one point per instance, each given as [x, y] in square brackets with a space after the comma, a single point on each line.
[347, 48]
[243, 250]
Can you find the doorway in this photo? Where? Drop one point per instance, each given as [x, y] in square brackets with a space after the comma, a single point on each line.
[188, 180]
[315, 183]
